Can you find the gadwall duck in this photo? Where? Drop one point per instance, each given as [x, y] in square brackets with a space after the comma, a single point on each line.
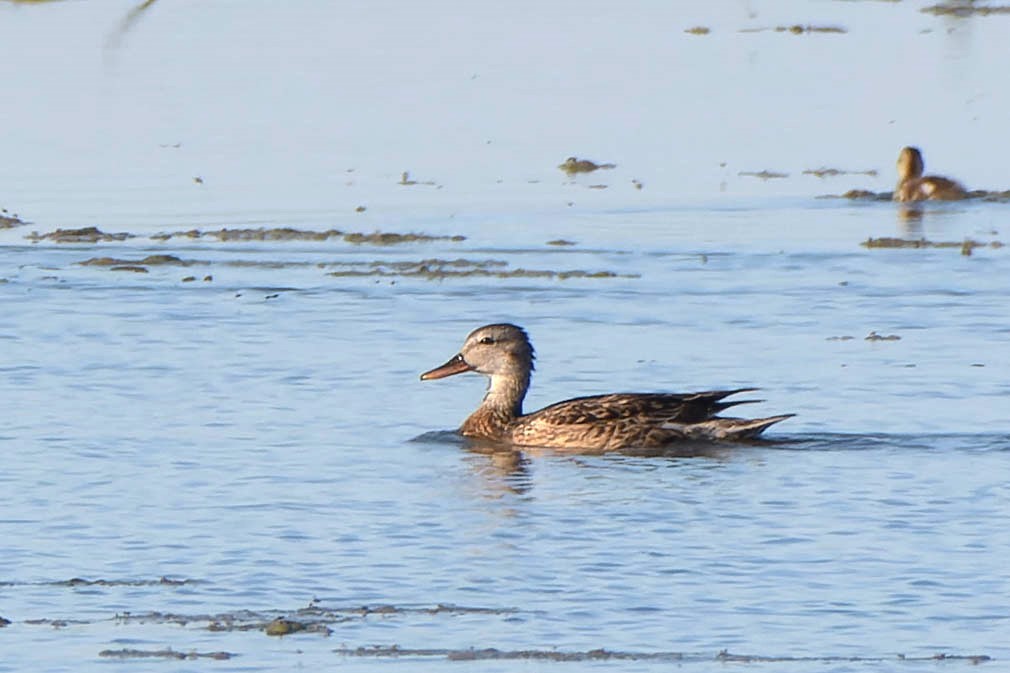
[600, 422]
[914, 186]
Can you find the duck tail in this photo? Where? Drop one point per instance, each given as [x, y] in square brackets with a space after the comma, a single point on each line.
[746, 428]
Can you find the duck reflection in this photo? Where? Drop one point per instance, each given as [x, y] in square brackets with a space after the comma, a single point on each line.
[910, 216]
[513, 465]
[504, 469]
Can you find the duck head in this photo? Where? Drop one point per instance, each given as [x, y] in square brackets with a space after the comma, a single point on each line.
[910, 164]
[499, 350]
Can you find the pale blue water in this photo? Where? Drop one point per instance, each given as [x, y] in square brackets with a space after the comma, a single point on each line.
[262, 441]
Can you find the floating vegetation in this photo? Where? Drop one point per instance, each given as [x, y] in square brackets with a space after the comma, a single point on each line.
[797, 29]
[964, 10]
[290, 234]
[600, 654]
[311, 619]
[150, 260]
[763, 175]
[168, 653]
[283, 627]
[131, 19]
[258, 234]
[129, 267]
[1001, 196]
[55, 623]
[10, 220]
[430, 269]
[994, 196]
[387, 238]
[597, 186]
[873, 336]
[494, 653]
[83, 235]
[835, 172]
[440, 269]
[967, 244]
[560, 241]
[699, 30]
[405, 180]
[840, 338]
[755, 658]
[81, 582]
[573, 165]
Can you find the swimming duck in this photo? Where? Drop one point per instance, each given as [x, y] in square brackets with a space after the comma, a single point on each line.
[913, 186]
[504, 353]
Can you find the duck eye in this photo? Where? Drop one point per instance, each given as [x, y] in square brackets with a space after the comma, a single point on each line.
[487, 340]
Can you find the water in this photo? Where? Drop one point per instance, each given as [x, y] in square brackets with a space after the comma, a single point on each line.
[260, 439]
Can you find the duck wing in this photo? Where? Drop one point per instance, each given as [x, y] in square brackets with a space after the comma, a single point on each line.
[634, 419]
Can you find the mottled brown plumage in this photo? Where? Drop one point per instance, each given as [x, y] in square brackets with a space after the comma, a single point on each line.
[598, 422]
[914, 186]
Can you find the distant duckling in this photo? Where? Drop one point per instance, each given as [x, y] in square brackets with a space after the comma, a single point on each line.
[914, 186]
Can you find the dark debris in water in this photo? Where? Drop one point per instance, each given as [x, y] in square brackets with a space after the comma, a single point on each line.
[4, 622]
[698, 30]
[168, 653]
[966, 246]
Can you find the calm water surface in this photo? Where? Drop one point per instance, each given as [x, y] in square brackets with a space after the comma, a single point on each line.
[186, 460]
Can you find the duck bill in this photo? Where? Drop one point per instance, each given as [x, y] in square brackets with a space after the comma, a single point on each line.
[457, 365]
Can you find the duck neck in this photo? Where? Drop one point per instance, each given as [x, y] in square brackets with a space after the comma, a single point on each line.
[505, 393]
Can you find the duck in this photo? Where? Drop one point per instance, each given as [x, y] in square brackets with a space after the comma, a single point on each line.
[503, 352]
[914, 186]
